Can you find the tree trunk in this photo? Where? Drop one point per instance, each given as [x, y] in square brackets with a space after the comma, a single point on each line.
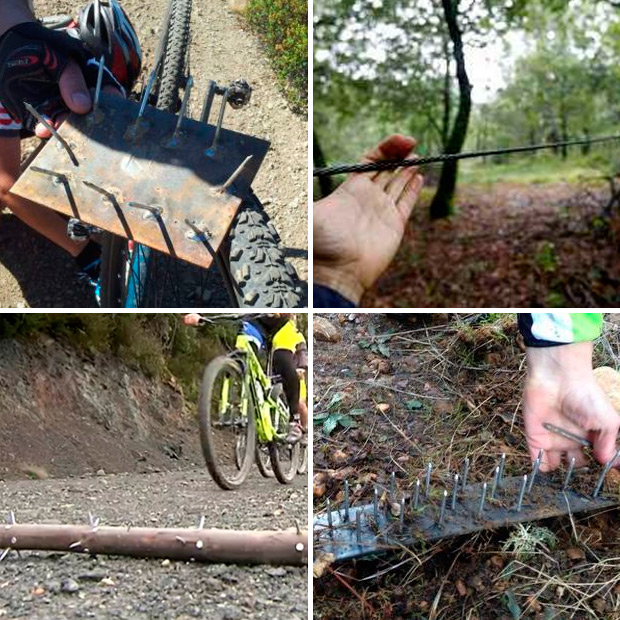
[325, 182]
[444, 197]
[218, 546]
[447, 96]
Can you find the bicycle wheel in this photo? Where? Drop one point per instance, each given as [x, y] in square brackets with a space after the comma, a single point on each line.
[262, 276]
[284, 456]
[302, 467]
[263, 460]
[226, 423]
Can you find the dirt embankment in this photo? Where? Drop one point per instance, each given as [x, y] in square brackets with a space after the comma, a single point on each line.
[67, 413]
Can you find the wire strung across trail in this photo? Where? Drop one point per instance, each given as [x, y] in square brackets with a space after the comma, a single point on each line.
[436, 159]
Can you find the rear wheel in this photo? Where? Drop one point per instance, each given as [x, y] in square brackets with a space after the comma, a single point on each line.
[226, 423]
[263, 460]
[284, 456]
[302, 467]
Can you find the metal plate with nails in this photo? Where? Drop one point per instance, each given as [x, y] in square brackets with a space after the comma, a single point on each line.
[369, 531]
[192, 204]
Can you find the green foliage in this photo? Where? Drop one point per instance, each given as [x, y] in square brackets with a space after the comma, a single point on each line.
[158, 345]
[282, 25]
[546, 258]
[334, 417]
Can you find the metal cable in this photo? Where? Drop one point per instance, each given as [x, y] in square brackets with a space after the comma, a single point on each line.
[436, 159]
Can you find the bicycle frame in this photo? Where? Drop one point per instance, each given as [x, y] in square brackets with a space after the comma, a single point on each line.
[257, 386]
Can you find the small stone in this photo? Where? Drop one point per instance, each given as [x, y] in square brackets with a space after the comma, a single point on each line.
[166, 562]
[278, 571]
[69, 586]
[101, 472]
[232, 613]
[324, 330]
[574, 553]
[213, 585]
[107, 581]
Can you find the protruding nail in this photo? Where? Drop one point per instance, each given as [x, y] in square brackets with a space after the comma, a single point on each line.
[455, 490]
[5, 553]
[521, 493]
[358, 526]
[150, 208]
[183, 110]
[416, 494]
[495, 482]
[206, 110]
[235, 175]
[201, 523]
[198, 233]
[330, 523]
[483, 497]
[392, 488]
[12, 518]
[99, 82]
[427, 481]
[402, 514]
[104, 192]
[569, 474]
[442, 509]
[465, 472]
[346, 500]
[216, 138]
[375, 503]
[147, 93]
[55, 134]
[604, 473]
[58, 176]
[502, 464]
[535, 469]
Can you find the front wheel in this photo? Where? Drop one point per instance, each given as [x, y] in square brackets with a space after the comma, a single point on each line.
[226, 423]
[302, 467]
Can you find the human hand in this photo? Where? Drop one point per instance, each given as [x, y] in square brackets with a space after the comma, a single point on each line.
[192, 319]
[359, 227]
[561, 389]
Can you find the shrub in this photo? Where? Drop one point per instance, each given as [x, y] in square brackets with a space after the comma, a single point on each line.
[282, 25]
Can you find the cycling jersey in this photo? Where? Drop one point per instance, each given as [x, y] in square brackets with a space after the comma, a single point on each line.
[548, 329]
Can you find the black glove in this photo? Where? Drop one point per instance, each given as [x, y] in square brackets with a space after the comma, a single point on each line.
[32, 59]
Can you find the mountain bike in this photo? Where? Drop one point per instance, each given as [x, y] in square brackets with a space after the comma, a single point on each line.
[243, 416]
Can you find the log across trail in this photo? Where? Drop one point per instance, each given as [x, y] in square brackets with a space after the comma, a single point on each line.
[200, 545]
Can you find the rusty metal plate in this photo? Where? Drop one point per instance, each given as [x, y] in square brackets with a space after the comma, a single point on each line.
[140, 163]
[365, 531]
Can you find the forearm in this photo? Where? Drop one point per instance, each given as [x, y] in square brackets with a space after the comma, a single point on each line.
[13, 12]
[568, 362]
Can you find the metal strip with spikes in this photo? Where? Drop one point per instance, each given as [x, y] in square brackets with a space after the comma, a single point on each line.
[351, 532]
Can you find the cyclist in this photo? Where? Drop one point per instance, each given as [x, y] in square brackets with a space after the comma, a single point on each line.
[52, 70]
[278, 332]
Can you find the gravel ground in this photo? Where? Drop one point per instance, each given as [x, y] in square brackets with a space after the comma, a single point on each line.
[33, 273]
[46, 586]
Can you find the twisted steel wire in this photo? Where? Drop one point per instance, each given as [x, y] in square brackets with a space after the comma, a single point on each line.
[377, 166]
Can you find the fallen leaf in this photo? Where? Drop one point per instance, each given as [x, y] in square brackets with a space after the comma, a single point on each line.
[461, 588]
[574, 553]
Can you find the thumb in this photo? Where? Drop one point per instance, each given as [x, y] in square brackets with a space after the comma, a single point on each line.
[73, 89]
[604, 445]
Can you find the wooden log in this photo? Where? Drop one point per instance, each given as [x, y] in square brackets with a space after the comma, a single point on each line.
[208, 545]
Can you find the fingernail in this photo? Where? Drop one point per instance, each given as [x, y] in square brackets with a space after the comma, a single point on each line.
[81, 99]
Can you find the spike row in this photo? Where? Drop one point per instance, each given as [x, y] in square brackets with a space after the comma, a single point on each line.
[569, 474]
[392, 488]
[442, 510]
[346, 500]
[521, 493]
[502, 464]
[216, 138]
[535, 471]
[455, 490]
[483, 497]
[416, 495]
[495, 483]
[465, 472]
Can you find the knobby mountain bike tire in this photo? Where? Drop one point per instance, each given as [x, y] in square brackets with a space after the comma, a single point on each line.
[302, 467]
[214, 452]
[262, 277]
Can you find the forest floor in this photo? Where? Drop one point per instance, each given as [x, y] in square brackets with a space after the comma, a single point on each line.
[439, 388]
[509, 245]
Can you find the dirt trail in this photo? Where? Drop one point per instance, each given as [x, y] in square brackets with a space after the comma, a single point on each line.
[42, 586]
[33, 273]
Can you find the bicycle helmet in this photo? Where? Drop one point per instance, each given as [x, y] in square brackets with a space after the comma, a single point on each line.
[103, 26]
